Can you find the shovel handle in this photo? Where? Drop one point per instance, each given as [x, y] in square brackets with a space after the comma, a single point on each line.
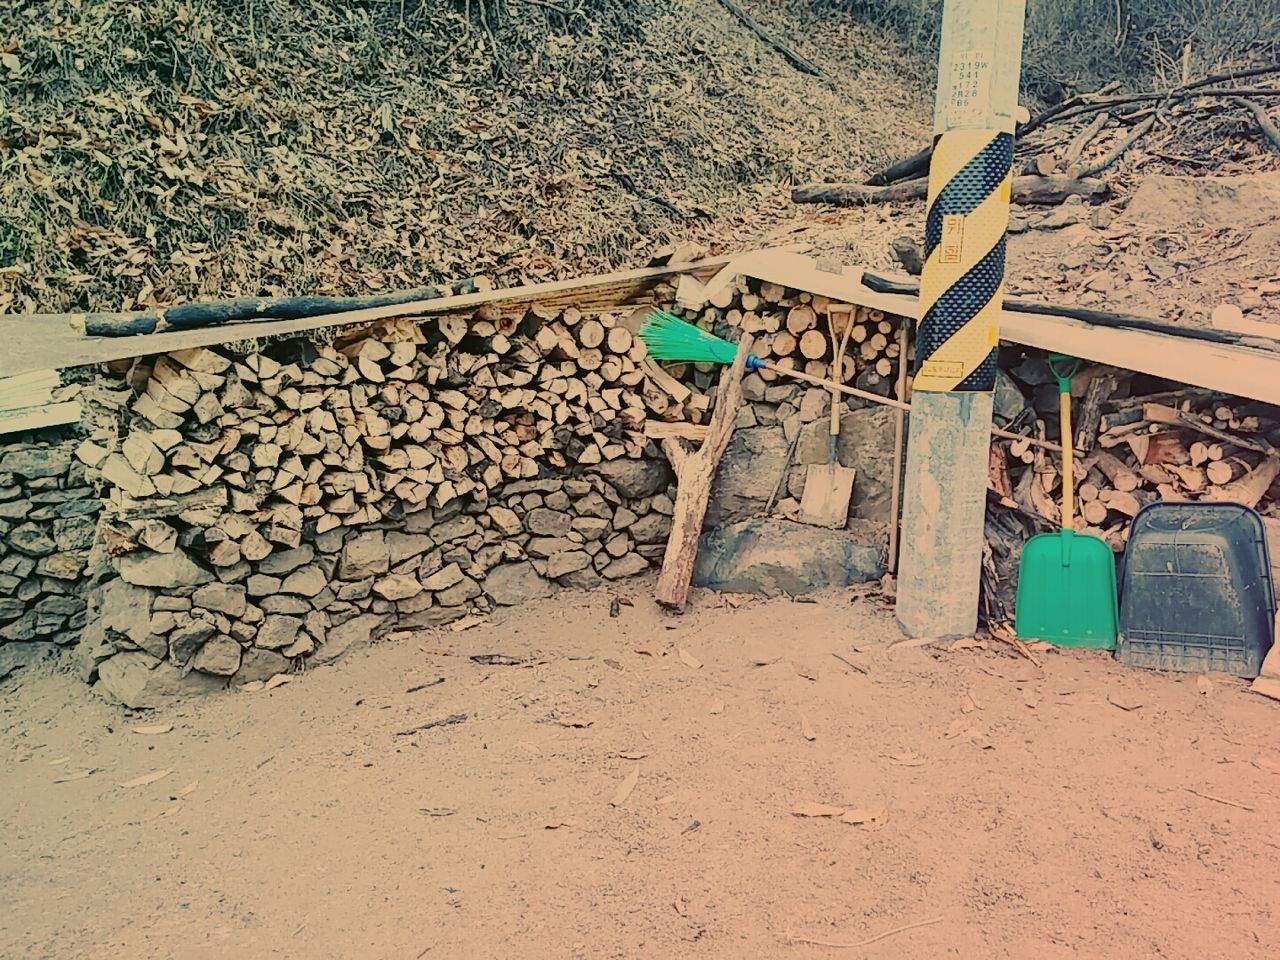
[1068, 462]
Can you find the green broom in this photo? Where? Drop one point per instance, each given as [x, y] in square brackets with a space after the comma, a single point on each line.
[670, 338]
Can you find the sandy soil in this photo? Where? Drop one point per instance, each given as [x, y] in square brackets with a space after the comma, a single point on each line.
[1026, 811]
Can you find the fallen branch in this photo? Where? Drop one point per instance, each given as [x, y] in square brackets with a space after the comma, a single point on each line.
[1048, 191]
[793, 58]
[791, 940]
[918, 163]
[1095, 168]
[1071, 158]
[1265, 123]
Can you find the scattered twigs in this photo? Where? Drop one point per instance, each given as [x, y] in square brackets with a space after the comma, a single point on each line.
[1222, 800]
[793, 58]
[1265, 123]
[1141, 130]
[792, 940]
[1103, 99]
[1001, 632]
[1119, 103]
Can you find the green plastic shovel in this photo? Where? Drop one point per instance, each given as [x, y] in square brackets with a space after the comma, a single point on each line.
[1067, 582]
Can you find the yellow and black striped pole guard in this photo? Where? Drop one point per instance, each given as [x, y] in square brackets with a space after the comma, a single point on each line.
[962, 286]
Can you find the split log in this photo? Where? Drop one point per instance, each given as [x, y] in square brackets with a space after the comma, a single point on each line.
[1250, 488]
[1121, 477]
[695, 471]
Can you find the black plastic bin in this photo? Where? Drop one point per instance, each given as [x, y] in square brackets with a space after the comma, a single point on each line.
[1195, 590]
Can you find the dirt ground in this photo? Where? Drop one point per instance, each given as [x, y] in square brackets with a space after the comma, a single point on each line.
[1082, 810]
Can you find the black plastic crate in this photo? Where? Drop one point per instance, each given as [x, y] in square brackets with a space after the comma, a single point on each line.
[1195, 590]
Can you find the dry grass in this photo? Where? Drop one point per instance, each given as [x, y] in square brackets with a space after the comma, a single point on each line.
[1075, 44]
[191, 148]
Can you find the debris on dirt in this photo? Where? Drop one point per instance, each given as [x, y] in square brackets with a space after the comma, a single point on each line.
[716, 708]
[558, 824]
[432, 724]
[689, 660]
[791, 940]
[967, 643]
[467, 622]
[632, 755]
[572, 723]
[499, 660]
[425, 686]
[437, 811]
[153, 729]
[856, 816]
[1124, 702]
[806, 730]
[804, 670]
[1204, 685]
[1222, 800]
[186, 791]
[147, 778]
[278, 680]
[78, 775]
[849, 663]
[624, 789]
[615, 608]
[811, 809]
[909, 759]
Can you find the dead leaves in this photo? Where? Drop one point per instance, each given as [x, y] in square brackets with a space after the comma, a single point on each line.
[857, 816]
[625, 788]
[147, 778]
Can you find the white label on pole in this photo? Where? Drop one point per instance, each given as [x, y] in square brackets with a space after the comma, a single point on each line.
[969, 102]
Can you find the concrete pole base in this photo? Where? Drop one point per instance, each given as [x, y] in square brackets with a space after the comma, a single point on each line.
[944, 512]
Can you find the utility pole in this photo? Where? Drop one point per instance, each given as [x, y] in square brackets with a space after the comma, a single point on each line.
[961, 293]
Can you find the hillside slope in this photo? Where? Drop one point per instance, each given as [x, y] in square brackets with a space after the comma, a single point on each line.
[200, 148]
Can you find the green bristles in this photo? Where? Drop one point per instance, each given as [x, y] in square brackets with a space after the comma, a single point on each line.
[670, 338]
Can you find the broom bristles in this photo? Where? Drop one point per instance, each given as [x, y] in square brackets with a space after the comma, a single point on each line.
[670, 338]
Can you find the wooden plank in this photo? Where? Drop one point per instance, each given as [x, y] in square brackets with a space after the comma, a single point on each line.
[45, 341]
[34, 418]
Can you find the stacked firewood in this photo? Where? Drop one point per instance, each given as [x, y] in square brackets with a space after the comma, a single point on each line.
[802, 331]
[381, 423]
[1134, 449]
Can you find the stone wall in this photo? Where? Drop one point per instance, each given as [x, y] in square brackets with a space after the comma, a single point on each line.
[47, 517]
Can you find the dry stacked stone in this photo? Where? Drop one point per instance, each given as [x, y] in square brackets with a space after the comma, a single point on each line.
[47, 517]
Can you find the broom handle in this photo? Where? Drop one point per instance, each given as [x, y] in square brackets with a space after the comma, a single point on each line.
[897, 404]
[832, 385]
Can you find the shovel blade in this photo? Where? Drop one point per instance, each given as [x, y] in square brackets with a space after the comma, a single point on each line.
[1067, 591]
[827, 490]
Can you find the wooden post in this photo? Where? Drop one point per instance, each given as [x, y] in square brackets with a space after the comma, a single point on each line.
[961, 292]
[695, 471]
